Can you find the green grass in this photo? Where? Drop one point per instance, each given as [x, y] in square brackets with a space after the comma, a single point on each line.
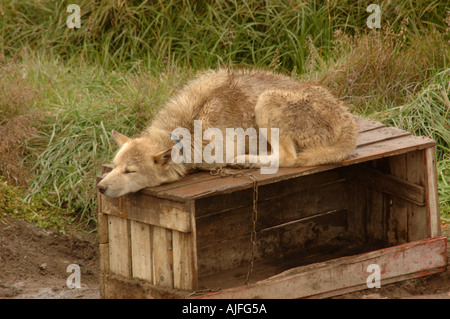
[428, 114]
[38, 211]
[200, 34]
[64, 90]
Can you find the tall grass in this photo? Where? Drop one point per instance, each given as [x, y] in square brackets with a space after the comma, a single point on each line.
[128, 57]
[200, 34]
[428, 114]
[83, 105]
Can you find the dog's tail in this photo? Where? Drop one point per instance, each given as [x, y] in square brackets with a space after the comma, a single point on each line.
[337, 152]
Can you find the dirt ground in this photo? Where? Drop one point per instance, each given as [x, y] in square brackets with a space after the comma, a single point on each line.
[33, 264]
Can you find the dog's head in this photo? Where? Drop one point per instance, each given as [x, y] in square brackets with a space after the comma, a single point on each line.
[139, 163]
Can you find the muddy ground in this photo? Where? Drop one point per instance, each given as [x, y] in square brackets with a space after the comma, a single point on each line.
[34, 261]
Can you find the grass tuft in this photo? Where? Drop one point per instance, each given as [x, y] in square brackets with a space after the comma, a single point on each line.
[63, 90]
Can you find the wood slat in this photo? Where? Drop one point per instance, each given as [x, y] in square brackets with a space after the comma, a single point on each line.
[377, 150]
[184, 261]
[141, 251]
[388, 184]
[378, 142]
[271, 212]
[347, 274]
[149, 210]
[365, 124]
[380, 134]
[431, 188]
[272, 242]
[119, 246]
[162, 256]
[397, 219]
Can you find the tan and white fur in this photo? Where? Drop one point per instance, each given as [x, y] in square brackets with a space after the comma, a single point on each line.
[314, 126]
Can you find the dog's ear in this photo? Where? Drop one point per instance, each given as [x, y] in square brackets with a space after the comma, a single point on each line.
[120, 138]
[163, 158]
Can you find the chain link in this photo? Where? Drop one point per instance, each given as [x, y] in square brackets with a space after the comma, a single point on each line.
[220, 171]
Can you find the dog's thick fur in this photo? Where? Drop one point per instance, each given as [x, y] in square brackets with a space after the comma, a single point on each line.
[314, 126]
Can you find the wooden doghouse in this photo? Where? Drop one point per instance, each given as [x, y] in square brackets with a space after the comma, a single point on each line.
[317, 229]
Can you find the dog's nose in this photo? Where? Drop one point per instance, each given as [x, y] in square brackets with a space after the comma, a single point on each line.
[101, 188]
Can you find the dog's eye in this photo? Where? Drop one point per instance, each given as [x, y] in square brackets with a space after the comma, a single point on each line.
[129, 171]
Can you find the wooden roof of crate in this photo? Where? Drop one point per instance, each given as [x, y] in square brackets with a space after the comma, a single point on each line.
[375, 141]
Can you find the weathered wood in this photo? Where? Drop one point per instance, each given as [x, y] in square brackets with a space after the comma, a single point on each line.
[431, 187]
[119, 246]
[149, 210]
[418, 219]
[102, 228]
[380, 134]
[104, 257]
[292, 187]
[365, 124]
[176, 236]
[397, 219]
[387, 148]
[272, 242]
[184, 261]
[357, 209]
[162, 256]
[215, 186]
[271, 212]
[119, 287]
[349, 273]
[109, 205]
[141, 251]
[389, 184]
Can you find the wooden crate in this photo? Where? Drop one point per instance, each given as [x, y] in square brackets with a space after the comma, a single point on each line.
[318, 228]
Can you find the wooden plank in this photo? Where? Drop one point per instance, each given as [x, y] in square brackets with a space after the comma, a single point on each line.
[418, 220]
[347, 273]
[228, 224]
[365, 124]
[431, 187]
[103, 251]
[141, 251]
[160, 212]
[375, 215]
[226, 185]
[184, 261]
[102, 228]
[397, 219]
[272, 242]
[104, 257]
[388, 184]
[162, 256]
[357, 209]
[110, 206]
[379, 135]
[149, 210]
[387, 148]
[119, 246]
[102, 222]
[294, 186]
[119, 287]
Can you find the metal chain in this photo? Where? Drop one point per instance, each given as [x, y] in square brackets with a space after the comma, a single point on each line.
[226, 172]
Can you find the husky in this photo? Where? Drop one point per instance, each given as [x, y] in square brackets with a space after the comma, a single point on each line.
[314, 127]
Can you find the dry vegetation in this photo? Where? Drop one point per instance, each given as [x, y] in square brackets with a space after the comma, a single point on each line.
[63, 90]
